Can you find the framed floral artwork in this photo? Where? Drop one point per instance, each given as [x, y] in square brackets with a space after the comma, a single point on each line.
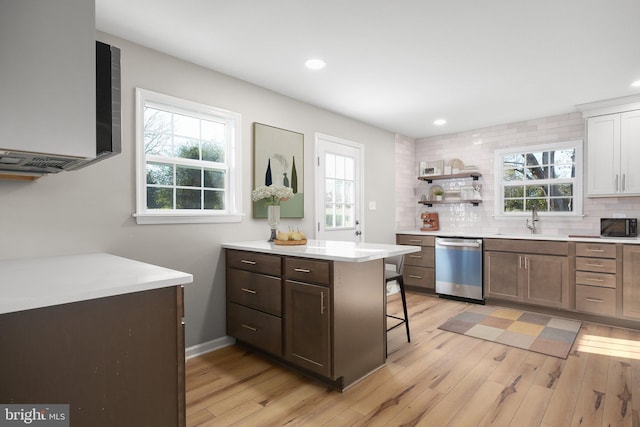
[278, 160]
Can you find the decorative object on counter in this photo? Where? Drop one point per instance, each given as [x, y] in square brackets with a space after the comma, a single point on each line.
[272, 195]
[290, 238]
[432, 168]
[530, 331]
[282, 146]
[430, 221]
[456, 165]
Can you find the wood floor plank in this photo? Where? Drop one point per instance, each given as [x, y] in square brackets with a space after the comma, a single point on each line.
[439, 379]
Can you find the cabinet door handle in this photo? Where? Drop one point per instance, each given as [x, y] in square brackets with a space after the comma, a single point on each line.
[246, 261]
[249, 291]
[302, 270]
[413, 276]
[624, 176]
[249, 327]
[617, 188]
[594, 300]
[321, 302]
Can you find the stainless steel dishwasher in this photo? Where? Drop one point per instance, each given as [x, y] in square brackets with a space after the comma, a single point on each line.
[459, 268]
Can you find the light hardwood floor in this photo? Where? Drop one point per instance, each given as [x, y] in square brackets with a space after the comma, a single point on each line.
[439, 379]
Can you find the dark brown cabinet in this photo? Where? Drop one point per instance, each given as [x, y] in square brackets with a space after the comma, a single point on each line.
[117, 361]
[325, 318]
[516, 270]
[419, 267]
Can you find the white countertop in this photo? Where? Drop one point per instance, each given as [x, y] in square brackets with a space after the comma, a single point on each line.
[327, 249]
[30, 283]
[562, 238]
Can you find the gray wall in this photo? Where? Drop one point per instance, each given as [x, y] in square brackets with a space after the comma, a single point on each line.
[90, 210]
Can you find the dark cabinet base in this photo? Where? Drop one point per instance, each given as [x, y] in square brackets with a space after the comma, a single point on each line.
[117, 361]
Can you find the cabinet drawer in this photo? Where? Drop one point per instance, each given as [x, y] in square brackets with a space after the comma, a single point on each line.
[424, 258]
[253, 261]
[596, 279]
[596, 300]
[596, 250]
[600, 265]
[255, 327]
[422, 277]
[542, 247]
[415, 240]
[255, 290]
[306, 270]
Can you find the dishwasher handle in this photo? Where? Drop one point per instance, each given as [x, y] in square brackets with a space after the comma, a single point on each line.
[458, 244]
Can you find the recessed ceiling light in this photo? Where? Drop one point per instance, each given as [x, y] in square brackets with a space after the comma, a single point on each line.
[636, 83]
[315, 64]
[440, 122]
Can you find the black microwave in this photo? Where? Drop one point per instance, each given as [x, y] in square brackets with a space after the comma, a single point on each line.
[619, 227]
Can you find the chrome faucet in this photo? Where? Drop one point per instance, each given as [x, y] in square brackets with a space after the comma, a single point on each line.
[534, 218]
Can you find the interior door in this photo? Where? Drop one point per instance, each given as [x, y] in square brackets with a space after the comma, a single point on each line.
[339, 189]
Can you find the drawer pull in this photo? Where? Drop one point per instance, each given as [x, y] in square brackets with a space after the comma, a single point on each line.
[595, 250]
[594, 300]
[302, 270]
[415, 240]
[413, 276]
[246, 261]
[250, 291]
[415, 256]
[249, 327]
[595, 265]
[594, 279]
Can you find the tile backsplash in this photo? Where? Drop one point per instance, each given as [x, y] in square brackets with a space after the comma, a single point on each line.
[476, 148]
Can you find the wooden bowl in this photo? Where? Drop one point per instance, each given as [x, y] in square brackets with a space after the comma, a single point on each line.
[290, 242]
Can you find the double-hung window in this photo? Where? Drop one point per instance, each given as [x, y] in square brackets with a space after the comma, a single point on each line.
[548, 177]
[188, 158]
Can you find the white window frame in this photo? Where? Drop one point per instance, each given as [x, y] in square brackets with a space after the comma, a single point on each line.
[577, 181]
[233, 161]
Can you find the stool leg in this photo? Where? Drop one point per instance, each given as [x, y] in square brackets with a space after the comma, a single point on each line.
[404, 306]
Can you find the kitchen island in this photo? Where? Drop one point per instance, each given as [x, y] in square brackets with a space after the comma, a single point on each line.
[101, 333]
[320, 307]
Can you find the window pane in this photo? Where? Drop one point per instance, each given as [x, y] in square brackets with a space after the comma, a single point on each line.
[213, 178]
[187, 199]
[513, 175]
[349, 168]
[563, 171]
[541, 204]
[537, 190]
[186, 126]
[186, 148]
[158, 144]
[329, 191]
[213, 131]
[214, 200]
[513, 205]
[339, 216]
[349, 193]
[339, 167]
[213, 152]
[561, 205]
[188, 177]
[563, 156]
[156, 121]
[159, 174]
[348, 215]
[561, 190]
[159, 198]
[537, 172]
[339, 191]
[330, 166]
[513, 161]
[516, 191]
[537, 159]
[329, 216]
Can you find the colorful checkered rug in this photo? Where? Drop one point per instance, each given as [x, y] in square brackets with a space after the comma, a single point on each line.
[531, 331]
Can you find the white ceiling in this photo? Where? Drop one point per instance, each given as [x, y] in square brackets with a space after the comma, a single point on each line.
[400, 64]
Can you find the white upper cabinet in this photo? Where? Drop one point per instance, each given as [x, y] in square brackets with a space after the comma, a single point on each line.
[613, 151]
[47, 65]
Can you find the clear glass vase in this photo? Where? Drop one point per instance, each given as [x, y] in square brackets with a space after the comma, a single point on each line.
[273, 219]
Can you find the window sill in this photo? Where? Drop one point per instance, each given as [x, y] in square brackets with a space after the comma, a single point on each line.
[520, 217]
[186, 218]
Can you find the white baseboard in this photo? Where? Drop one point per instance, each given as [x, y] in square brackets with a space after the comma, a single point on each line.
[209, 346]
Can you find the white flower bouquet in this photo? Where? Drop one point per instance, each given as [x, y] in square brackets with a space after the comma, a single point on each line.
[273, 194]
